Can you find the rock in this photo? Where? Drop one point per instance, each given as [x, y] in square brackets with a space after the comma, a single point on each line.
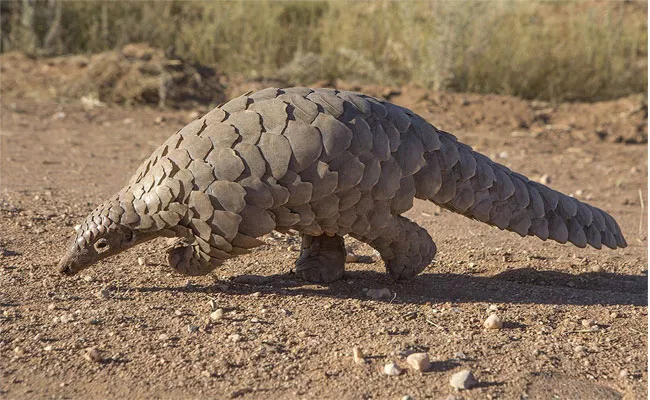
[419, 361]
[217, 314]
[357, 355]
[460, 355]
[545, 179]
[623, 373]
[463, 380]
[235, 337]
[377, 294]
[93, 354]
[597, 268]
[493, 322]
[142, 261]
[392, 369]
[588, 323]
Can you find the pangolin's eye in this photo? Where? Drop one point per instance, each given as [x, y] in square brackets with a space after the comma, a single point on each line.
[101, 244]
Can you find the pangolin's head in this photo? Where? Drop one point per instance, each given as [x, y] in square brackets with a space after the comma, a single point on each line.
[104, 233]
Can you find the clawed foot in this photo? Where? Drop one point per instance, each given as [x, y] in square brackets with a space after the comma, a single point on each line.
[322, 259]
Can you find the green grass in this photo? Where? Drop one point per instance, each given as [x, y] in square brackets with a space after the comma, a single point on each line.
[550, 51]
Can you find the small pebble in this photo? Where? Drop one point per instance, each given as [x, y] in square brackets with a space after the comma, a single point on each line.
[256, 294]
[235, 337]
[377, 294]
[104, 293]
[545, 179]
[38, 337]
[163, 337]
[623, 373]
[419, 361]
[178, 313]
[587, 323]
[460, 355]
[51, 306]
[357, 354]
[88, 278]
[407, 397]
[92, 354]
[48, 348]
[614, 315]
[597, 268]
[493, 307]
[217, 314]
[493, 322]
[392, 369]
[192, 328]
[463, 380]
[142, 261]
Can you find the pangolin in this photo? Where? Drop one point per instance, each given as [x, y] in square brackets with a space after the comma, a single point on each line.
[325, 163]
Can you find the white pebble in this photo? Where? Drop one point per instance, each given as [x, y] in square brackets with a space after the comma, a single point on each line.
[217, 314]
[463, 380]
[377, 294]
[92, 354]
[588, 323]
[48, 348]
[419, 361]
[142, 261]
[392, 369]
[357, 354]
[235, 337]
[545, 179]
[493, 322]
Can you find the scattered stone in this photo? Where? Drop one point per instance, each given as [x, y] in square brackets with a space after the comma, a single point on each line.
[48, 348]
[614, 315]
[623, 373]
[142, 261]
[597, 268]
[65, 318]
[19, 350]
[104, 293]
[51, 306]
[588, 323]
[493, 322]
[545, 179]
[217, 314]
[235, 337]
[88, 278]
[459, 355]
[38, 337]
[255, 320]
[493, 307]
[392, 369]
[93, 354]
[580, 350]
[407, 397]
[419, 361]
[357, 354]
[163, 337]
[378, 294]
[463, 380]
[256, 294]
[192, 328]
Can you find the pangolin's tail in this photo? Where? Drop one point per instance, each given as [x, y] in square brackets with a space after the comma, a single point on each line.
[459, 179]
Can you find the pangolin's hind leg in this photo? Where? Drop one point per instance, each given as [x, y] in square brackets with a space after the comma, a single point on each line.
[322, 258]
[405, 247]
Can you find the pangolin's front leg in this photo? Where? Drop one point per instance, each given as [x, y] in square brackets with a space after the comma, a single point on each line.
[322, 258]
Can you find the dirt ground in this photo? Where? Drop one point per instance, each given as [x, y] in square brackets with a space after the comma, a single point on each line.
[575, 319]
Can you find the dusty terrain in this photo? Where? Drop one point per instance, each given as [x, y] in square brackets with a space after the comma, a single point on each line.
[575, 319]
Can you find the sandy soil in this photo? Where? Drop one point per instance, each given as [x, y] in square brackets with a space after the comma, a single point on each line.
[282, 338]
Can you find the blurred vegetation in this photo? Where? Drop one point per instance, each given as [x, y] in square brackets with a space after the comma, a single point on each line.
[551, 50]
